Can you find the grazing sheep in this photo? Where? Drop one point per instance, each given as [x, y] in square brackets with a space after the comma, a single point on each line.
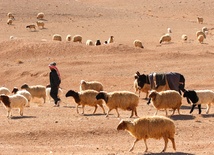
[94, 85]
[184, 37]
[124, 100]
[146, 88]
[40, 15]
[87, 97]
[9, 21]
[25, 93]
[150, 127]
[48, 90]
[165, 38]
[31, 27]
[68, 37]
[98, 42]
[200, 39]
[4, 90]
[36, 91]
[40, 24]
[200, 20]
[198, 97]
[169, 99]
[10, 16]
[57, 37]
[169, 30]
[13, 102]
[138, 43]
[77, 38]
[110, 40]
[89, 43]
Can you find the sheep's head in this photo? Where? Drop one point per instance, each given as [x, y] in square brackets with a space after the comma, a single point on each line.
[122, 125]
[192, 95]
[74, 94]
[5, 99]
[15, 89]
[82, 82]
[25, 86]
[102, 95]
[141, 79]
[153, 94]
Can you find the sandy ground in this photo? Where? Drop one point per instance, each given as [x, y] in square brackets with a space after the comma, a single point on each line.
[45, 129]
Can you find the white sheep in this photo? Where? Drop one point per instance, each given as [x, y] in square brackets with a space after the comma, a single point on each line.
[40, 15]
[38, 91]
[200, 20]
[169, 99]
[9, 21]
[87, 97]
[23, 92]
[199, 97]
[138, 43]
[165, 38]
[32, 26]
[4, 90]
[68, 37]
[150, 127]
[77, 38]
[57, 37]
[169, 30]
[110, 40]
[124, 100]
[94, 85]
[10, 15]
[48, 90]
[40, 24]
[89, 43]
[184, 37]
[13, 102]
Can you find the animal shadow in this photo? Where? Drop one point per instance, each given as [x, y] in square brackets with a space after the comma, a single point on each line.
[98, 114]
[207, 115]
[182, 117]
[167, 153]
[22, 117]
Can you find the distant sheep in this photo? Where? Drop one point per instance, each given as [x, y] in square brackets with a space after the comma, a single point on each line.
[184, 37]
[68, 37]
[38, 91]
[165, 38]
[87, 97]
[200, 20]
[31, 27]
[150, 127]
[4, 90]
[169, 99]
[98, 42]
[198, 97]
[124, 100]
[9, 21]
[23, 92]
[40, 15]
[110, 40]
[77, 38]
[138, 43]
[94, 85]
[13, 102]
[200, 39]
[48, 90]
[40, 24]
[10, 16]
[169, 30]
[89, 43]
[57, 37]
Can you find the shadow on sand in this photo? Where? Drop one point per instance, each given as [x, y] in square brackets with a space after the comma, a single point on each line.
[22, 117]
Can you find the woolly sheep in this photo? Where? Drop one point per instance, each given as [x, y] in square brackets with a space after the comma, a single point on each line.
[9, 21]
[38, 91]
[94, 85]
[77, 38]
[200, 20]
[150, 127]
[89, 43]
[138, 43]
[184, 37]
[32, 26]
[199, 97]
[110, 40]
[68, 37]
[200, 39]
[57, 37]
[165, 38]
[169, 99]
[10, 15]
[124, 100]
[87, 97]
[23, 92]
[97, 43]
[4, 90]
[40, 24]
[40, 15]
[48, 90]
[13, 102]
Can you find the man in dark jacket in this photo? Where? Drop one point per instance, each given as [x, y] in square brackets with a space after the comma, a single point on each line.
[55, 81]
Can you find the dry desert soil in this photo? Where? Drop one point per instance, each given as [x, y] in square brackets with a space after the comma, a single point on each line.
[25, 56]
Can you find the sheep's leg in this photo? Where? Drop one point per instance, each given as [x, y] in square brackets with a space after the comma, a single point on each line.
[166, 142]
[145, 145]
[136, 112]
[208, 108]
[83, 107]
[173, 143]
[102, 108]
[132, 148]
[21, 111]
[179, 111]
[95, 109]
[118, 115]
[108, 112]
[166, 112]
[77, 108]
[173, 111]
[132, 113]
[199, 108]
[9, 113]
[193, 106]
